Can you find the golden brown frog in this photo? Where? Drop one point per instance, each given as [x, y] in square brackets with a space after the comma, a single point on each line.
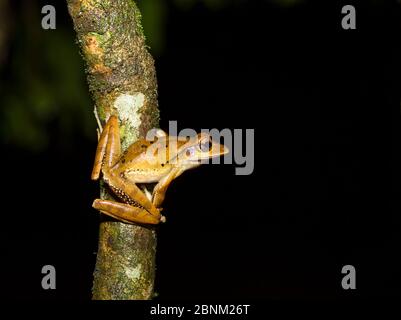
[145, 162]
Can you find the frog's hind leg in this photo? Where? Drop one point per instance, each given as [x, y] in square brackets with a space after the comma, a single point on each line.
[125, 212]
[129, 192]
[108, 148]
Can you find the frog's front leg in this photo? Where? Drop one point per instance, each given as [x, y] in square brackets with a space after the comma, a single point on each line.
[159, 191]
[125, 212]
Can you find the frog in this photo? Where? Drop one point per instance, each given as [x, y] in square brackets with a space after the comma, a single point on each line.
[155, 161]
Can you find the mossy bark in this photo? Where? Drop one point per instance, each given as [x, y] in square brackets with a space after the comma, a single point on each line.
[122, 80]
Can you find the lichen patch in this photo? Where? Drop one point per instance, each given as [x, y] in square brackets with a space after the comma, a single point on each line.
[128, 107]
[133, 273]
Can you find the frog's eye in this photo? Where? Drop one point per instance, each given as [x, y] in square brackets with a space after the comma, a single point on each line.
[190, 152]
[206, 145]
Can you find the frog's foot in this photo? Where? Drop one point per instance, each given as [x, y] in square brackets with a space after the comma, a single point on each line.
[126, 213]
[162, 218]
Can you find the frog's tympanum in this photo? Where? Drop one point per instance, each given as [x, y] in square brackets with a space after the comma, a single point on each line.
[145, 162]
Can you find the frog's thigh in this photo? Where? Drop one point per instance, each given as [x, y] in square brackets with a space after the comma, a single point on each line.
[108, 148]
[124, 212]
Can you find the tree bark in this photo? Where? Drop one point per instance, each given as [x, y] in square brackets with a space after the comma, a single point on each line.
[122, 80]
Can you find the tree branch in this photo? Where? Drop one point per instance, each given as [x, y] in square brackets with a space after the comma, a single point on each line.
[122, 80]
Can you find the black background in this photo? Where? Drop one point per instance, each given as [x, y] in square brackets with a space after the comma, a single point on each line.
[325, 106]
